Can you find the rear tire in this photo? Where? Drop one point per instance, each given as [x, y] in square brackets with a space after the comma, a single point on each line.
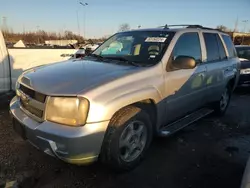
[220, 107]
[127, 138]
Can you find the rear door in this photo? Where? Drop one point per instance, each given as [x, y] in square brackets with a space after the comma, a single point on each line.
[4, 67]
[216, 60]
[185, 88]
[232, 67]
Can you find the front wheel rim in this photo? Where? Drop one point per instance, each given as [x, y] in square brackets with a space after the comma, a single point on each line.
[132, 141]
[224, 100]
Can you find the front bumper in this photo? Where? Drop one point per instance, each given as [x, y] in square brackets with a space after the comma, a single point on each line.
[76, 145]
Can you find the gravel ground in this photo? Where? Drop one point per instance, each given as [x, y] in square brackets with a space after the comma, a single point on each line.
[208, 154]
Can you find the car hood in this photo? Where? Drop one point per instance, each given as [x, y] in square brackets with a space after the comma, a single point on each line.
[72, 77]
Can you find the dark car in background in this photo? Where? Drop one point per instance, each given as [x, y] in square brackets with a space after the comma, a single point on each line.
[244, 55]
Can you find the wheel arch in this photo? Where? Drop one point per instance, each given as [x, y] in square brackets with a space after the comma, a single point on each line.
[147, 98]
[232, 83]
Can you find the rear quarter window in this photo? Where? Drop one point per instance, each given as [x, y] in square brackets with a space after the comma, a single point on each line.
[230, 46]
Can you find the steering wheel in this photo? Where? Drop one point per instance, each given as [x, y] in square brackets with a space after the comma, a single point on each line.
[153, 52]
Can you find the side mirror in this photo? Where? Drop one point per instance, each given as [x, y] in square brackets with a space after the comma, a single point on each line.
[88, 51]
[184, 62]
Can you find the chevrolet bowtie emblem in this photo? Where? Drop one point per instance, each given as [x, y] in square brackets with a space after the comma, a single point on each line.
[25, 98]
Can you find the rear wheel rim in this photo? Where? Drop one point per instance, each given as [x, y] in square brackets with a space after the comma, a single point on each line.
[224, 100]
[132, 141]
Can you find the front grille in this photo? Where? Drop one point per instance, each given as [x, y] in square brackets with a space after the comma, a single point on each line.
[32, 101]
[33, 94]
[25, 80]
[32, 110]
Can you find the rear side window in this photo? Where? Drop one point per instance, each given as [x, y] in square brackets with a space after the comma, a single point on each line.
[188, 45]
[212, 47]
[221, 48]
[229, 45]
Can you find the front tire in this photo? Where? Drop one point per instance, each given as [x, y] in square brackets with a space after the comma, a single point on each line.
[127, 138]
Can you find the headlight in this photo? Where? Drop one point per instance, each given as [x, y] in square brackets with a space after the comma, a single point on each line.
[245, 71]
[71, 111]
[17, 87]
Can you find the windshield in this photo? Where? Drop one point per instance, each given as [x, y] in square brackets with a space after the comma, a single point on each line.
[144, 47]
[243, 52]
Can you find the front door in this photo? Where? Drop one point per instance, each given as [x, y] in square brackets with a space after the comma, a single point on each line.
[185, 88]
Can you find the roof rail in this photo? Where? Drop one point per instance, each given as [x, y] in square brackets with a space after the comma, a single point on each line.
[189, 26]
[182, 25]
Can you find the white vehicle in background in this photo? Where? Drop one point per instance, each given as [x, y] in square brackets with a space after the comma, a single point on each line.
[91, 47]
[80, 53]
[14, 61]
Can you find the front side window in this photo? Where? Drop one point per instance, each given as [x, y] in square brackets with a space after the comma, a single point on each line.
[188, 45]
[141, 47]
[230, 46]
[212, 47]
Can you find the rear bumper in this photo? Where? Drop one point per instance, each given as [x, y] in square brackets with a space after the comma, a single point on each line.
[76, 145]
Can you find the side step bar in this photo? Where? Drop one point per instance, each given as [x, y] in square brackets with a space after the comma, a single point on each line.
[183, 122]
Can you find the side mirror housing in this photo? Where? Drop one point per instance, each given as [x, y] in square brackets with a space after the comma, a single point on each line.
[88, 51]
[184, 62]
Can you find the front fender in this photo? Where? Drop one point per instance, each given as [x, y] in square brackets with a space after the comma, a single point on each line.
[105, 110]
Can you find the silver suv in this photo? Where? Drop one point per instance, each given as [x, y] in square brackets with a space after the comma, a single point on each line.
[136, 85]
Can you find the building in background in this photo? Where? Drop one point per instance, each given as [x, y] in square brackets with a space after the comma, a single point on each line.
[19, 44]
[60, 42]
[240, 38]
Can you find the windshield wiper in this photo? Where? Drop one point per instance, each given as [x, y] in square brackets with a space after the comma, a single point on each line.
[124, 60]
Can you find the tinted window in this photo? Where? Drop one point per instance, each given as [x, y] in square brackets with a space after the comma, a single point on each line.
[221, 48]
[188, 45]
[243, 52]
[211, 46]
[229, 45]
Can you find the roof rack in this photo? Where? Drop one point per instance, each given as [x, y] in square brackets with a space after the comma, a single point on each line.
[189, 26]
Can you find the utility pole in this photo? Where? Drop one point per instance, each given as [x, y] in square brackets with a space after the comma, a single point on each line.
[245, 24]
[84, 18]
[4, 25]
[23, 28]
[236, 24]
[235, 28]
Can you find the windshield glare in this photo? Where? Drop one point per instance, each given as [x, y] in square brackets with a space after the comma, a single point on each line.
[145, 47]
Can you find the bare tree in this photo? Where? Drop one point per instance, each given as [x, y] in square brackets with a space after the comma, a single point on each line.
[124, 27]
[41, 36]
[223, 28]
